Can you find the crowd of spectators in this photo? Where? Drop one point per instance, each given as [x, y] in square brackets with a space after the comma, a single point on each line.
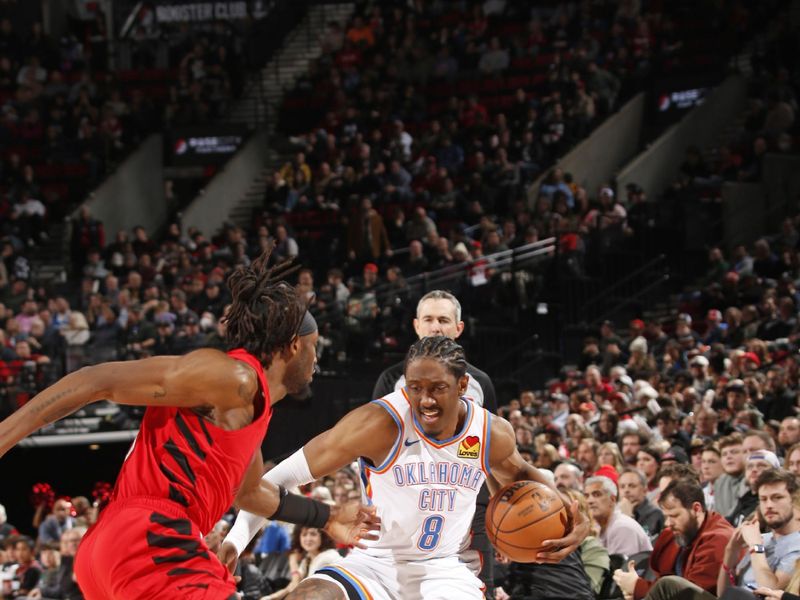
[67, 119]
[666, 430]
[462, 107]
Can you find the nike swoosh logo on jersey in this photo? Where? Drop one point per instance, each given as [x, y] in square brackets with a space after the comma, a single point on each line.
[408, 443]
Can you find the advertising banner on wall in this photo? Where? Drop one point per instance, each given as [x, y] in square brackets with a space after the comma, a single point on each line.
[204, 145]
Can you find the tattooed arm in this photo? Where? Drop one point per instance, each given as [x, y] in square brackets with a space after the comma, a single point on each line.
[201, 378]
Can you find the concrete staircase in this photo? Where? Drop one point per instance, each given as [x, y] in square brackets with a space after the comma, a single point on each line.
[261, 99]
[260, 103]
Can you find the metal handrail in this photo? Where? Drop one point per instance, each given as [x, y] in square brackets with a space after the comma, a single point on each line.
[663, 278]
[621, 282]
[496, 261]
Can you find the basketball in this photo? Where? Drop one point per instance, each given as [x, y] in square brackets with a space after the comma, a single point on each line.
[521, 516]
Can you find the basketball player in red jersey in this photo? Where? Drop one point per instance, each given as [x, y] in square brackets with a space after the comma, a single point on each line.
[198, 449]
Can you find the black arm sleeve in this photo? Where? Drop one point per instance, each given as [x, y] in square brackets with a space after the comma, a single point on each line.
[489, 396]
[301, 510]
[386, 381]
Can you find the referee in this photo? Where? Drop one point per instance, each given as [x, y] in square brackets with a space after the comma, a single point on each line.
[439, 313]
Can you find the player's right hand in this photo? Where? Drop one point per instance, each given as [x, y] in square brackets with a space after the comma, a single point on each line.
[352, 523]
[228, 556]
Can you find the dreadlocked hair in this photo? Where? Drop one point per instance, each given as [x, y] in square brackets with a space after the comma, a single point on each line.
[266, 312]
[440, 348]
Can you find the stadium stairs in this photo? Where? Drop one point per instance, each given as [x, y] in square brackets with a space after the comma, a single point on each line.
[258, 108]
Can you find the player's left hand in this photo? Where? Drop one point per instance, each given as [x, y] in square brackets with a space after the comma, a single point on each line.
[577, 530]
[352, 523]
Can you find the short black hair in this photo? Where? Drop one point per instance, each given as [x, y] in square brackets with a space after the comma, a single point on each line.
[441, 348]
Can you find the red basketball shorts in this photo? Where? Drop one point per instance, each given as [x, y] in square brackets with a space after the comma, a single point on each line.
[146, 548]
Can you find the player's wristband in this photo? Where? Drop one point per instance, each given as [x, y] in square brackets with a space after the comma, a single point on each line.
[301, 510]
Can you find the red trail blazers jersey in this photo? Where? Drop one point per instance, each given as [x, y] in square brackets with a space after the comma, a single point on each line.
[180, 456]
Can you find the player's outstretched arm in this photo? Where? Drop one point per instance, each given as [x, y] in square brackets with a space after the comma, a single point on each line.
[347, 524]
[203, 377]
[508, 466]
[367, 431]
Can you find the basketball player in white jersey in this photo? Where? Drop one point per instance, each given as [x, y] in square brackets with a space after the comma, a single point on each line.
[439, 313]
[424, 453]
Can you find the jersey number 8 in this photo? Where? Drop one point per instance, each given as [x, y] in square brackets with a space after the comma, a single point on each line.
[431, 532]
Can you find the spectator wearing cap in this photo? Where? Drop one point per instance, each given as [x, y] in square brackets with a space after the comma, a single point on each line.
[729, 485]
[189, 337]
[757, 462]
[636, 327]
[640, 364]
[560, 405]
[212, 299]
[619, 533]
[748, 362]
[609, 471]
[609, 217]
[675, 455]
[690, 548]
[588, 411]
[701, 380]
[164, 343]
[635, 503]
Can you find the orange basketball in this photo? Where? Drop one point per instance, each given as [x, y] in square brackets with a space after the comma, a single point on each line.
[523, 515]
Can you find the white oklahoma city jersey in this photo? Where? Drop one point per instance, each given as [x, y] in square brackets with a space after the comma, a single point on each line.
[425, 490]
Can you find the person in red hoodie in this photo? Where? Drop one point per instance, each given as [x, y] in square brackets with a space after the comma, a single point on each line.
[691, 546]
